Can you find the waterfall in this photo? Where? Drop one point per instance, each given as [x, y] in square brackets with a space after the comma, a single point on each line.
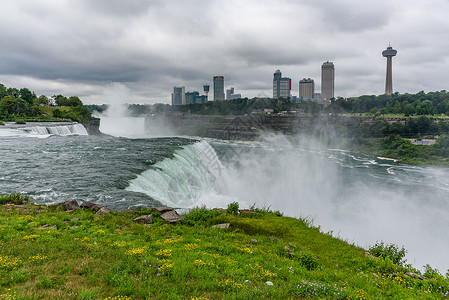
[43, 130]
[184, 180]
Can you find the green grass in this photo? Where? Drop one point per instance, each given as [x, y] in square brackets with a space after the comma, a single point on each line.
[260, 256]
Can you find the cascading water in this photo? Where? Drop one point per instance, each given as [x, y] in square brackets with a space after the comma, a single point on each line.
[42, 130]
[183, 181]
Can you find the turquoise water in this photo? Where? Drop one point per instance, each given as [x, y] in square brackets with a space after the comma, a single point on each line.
[359, 198]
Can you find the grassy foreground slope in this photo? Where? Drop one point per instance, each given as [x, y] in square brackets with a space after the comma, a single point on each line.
[54, 254]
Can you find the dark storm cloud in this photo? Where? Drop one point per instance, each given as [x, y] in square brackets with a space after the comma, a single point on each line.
[80, 47]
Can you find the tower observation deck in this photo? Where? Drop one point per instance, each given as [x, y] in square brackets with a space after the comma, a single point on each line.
[389, 53]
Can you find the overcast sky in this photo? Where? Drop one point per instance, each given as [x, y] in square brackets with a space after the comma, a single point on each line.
[141, 49]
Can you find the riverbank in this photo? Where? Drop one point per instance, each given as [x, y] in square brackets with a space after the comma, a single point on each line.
[52, 253]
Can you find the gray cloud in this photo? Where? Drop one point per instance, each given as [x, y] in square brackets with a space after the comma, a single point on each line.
[79, 47]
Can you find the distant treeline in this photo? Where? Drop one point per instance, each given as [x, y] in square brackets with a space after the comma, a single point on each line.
[23, 104]
[407, 104]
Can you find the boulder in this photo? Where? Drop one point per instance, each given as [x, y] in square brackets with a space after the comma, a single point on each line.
[171, 216]
[162, 209]
[224, 225]
[66, 205]
[103, 211]
[91, 205]
[274, 239]
[147, 219]
[414, 275]
[247, 211]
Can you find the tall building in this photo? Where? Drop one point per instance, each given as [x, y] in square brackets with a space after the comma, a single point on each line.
[178, 97]
[306, 88]
[230, 94]
[206, 90]
[281, 86]
[389, 53]
[219, 88]
[190, 97]
[327, 80]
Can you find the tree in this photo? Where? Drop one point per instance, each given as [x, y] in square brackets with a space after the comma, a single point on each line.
[27, 95]
[10, 105]
[42, 100]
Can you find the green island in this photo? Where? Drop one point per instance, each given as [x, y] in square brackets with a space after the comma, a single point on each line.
[63, 252]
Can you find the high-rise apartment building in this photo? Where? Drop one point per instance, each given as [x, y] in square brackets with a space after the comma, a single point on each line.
[219, 88]
[230, 94]
[306, 88]
[327, 80]
[281, 86]
[178, 97]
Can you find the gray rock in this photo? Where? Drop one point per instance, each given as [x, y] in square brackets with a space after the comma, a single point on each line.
[147, 219]
[253, 240]
[289, 251]
[103, 211]
[47, 226]
[274, 239]
[162, 209]
[171, 216]
[224, 225]
[247, 211]
[66, 205]
[94, 207]
[414, 275]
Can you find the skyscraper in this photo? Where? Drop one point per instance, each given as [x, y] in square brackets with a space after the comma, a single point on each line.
[327, 80]
[306, 88]
[178, 97]
[281, 86]
[230, 95]
[389, 53]
[219, 88]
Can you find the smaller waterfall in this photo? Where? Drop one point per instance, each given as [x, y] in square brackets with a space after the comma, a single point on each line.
[42, 130]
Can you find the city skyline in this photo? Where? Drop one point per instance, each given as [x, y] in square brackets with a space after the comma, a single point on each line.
[101, 49]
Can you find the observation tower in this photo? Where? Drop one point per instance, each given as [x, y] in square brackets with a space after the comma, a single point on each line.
[389, 53]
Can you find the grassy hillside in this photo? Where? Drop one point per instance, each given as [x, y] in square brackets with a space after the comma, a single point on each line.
[53, 254]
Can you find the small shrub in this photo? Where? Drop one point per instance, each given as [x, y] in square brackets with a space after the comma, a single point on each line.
[200, 216]
[19, 121]
[308, 261]
[390, 251]
[1, 123]
[15, 198]
[233, 208]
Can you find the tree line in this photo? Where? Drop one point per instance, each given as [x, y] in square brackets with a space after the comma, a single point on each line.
[421, 103]
[23, 104]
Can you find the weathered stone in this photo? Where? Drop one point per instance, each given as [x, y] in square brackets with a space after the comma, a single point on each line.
[274, 239]
[47, 226]
[93, 206]
[414, 275]
[162, 209]
[90, 205]
[171, 216]
[253, 240]
[223, 225]
[103, 211]
[247, 211]
[147, 219]
[66, 205]
[289, 251]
